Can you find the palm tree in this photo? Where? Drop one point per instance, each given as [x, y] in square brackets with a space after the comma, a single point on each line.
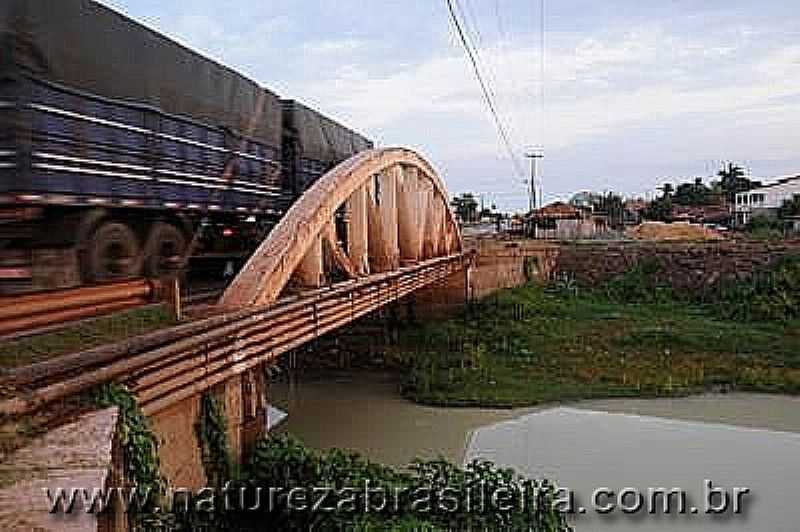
[732, 181]
[667, 189]
[466, 207]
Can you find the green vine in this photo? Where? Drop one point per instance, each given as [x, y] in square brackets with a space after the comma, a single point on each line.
[212, 436]
[142, 467]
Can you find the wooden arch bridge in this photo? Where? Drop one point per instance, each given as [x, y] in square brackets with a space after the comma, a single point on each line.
[373, 230]
[372, 214]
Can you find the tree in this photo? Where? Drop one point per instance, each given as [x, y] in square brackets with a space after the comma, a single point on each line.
[693, 194]
[667, 189]
[732, 181]
[465, 207]
[660, 209]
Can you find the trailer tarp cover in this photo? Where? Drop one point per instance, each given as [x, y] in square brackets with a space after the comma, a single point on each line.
[319, 137]
[82, 44]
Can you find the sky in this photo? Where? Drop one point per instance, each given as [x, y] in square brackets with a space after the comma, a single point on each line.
[635, 93]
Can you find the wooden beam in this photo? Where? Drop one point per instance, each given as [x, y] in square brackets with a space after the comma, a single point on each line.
[410, 215]
[430, 231]
[357, 230]
[425, 213]
[384, 251]
[336, 254]
[388, 210]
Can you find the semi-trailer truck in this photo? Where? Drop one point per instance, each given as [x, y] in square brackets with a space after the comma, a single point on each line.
[125, 154]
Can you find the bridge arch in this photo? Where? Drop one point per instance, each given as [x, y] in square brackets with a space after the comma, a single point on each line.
[376, 212]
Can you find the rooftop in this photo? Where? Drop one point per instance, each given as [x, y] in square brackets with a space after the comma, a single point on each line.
[776, 183]
[559, 209]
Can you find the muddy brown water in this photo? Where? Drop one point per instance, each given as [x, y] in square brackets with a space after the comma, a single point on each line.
[736, 440]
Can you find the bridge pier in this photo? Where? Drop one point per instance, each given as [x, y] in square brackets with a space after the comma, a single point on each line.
[243, 398]
[444, 298]
[181, 461]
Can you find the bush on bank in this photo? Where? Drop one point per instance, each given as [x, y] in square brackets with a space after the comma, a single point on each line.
[531, 344]
[427, 495]
[769, 295]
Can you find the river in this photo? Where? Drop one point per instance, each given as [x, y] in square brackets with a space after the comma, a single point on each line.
[736, 440]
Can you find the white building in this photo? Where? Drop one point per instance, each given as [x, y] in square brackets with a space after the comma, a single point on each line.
[765, 201]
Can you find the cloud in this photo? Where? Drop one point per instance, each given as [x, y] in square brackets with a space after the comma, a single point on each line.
[783, 63]
[333, 46]
[601, 84]
[633, 94]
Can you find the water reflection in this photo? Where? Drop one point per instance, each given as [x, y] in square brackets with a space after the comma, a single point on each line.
[586, 450]
[618, 443]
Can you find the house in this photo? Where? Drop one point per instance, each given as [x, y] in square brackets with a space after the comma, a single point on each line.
[766, 200]
[561, 221]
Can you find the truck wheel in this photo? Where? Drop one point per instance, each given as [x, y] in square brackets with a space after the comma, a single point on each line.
[113, 253]
[164, 250]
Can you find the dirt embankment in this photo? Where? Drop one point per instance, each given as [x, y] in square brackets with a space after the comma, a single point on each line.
[673, 231]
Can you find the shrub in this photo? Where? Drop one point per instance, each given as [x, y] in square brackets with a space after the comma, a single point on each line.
[284, 462]
[640, 284]
[769, 295]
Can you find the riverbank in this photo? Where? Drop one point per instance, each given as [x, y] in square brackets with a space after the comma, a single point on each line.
[528, 346]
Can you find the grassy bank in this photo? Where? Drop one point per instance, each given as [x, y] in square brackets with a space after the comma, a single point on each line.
[530, 345]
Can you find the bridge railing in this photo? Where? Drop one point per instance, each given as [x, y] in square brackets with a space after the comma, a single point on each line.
[167, 366]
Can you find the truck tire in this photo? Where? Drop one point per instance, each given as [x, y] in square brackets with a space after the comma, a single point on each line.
[164, 251]
[113, 252]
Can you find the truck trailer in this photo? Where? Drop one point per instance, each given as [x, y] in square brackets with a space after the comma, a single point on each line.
[125, 154]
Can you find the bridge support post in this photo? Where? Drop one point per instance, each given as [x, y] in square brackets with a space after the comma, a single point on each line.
[434, 220]
[410, 216]
[426, 217]
[254, 407]
[357, 230]
[229, 393]
[384, 249]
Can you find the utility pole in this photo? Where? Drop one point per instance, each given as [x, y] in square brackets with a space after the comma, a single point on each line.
[534, 156]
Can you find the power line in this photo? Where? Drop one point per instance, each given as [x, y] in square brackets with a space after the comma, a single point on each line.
[542, 87]
[542, 78]
[471, 20]
[500, 26]
[471, 30]
[474, 36]
[486, 94]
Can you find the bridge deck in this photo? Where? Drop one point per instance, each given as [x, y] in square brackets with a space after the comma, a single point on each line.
[167, 366]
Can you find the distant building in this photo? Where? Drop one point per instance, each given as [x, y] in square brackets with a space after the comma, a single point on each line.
[560, 221]
[766, 200]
